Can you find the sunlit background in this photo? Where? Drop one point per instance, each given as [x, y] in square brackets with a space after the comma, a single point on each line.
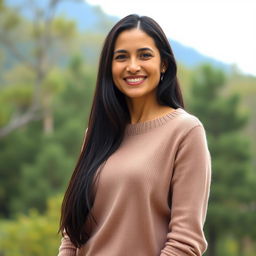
[49, 53]
[221, 29]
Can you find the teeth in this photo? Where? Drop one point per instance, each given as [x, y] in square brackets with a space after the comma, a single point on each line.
[134, 80]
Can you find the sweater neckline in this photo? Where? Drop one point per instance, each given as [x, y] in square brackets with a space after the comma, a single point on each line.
[141, 127]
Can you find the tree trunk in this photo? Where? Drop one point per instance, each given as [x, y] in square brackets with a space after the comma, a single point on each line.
[48, 121]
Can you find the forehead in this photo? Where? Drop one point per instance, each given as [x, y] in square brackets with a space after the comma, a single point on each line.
[134, 39]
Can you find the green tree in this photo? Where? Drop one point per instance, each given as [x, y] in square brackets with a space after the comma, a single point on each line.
[46, 177]
[32, 235]
[37, 45]
[44, 162]
[33, 89]
[22, 147]
[231, 191]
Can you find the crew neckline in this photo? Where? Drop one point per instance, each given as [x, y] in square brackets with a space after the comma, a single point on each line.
[141, 127]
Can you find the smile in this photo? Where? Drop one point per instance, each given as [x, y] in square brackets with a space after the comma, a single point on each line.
[135, 80]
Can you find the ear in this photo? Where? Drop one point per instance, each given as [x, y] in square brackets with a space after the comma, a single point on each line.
[164, 66]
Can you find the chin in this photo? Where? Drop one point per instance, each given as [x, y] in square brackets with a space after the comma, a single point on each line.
[135, 95]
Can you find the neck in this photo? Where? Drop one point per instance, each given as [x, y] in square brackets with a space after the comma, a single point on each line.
[142, 111]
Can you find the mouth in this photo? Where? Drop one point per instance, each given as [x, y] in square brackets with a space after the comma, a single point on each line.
[135, 80]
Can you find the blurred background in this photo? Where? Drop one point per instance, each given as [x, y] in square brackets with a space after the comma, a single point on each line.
[49, 52]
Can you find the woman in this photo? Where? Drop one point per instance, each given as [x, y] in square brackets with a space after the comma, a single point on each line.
[141, 184]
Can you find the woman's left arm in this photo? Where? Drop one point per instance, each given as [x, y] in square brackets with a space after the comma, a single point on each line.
[189, 190]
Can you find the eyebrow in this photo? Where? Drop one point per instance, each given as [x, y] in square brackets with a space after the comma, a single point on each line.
[139, 50]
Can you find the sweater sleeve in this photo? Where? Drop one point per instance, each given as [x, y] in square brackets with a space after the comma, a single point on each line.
[189, 188]
[66, 248]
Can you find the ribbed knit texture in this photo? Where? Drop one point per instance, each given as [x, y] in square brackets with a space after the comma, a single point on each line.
[152, 193]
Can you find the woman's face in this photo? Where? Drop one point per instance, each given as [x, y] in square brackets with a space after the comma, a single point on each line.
[136, 65]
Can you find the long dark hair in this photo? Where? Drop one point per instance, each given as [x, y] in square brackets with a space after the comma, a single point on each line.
[108, 118]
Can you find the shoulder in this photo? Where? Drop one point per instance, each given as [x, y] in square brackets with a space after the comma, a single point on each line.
[177, 125]
[183, 126]
[185, 122]
[188, 131]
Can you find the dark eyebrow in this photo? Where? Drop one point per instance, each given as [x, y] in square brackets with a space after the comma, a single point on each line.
[139, 50]
[120, 51]
[144, 49]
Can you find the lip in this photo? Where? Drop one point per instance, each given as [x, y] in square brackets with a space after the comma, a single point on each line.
[135, 80]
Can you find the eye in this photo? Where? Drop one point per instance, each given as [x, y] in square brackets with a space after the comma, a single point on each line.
[145, 55]
[120, 57]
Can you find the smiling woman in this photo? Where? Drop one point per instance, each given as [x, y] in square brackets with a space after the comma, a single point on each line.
[141, 183]
[136, 66]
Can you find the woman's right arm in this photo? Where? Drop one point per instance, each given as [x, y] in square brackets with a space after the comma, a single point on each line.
[67, 248]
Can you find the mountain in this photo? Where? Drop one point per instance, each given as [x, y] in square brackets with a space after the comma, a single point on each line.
[92, 19]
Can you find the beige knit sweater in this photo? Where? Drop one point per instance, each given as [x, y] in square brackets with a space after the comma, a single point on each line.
[152, 192]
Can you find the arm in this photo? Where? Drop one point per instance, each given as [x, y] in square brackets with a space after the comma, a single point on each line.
[66, 248]
[189, 190]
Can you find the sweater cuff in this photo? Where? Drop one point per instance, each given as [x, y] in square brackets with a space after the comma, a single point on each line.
[172, 252]
[67, 252]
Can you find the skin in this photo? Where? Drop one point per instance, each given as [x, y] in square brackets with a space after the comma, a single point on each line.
[136, 71]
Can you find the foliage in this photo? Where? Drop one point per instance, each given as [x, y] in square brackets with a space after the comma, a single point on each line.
[232, 191]
[32, 234]
[47, 176]
[16, 150]
[44, 162]
[38, 43]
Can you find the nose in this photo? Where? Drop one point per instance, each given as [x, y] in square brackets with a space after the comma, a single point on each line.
[133, 66]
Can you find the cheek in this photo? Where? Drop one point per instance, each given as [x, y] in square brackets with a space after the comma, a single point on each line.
[155, 73]
[154, 67]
